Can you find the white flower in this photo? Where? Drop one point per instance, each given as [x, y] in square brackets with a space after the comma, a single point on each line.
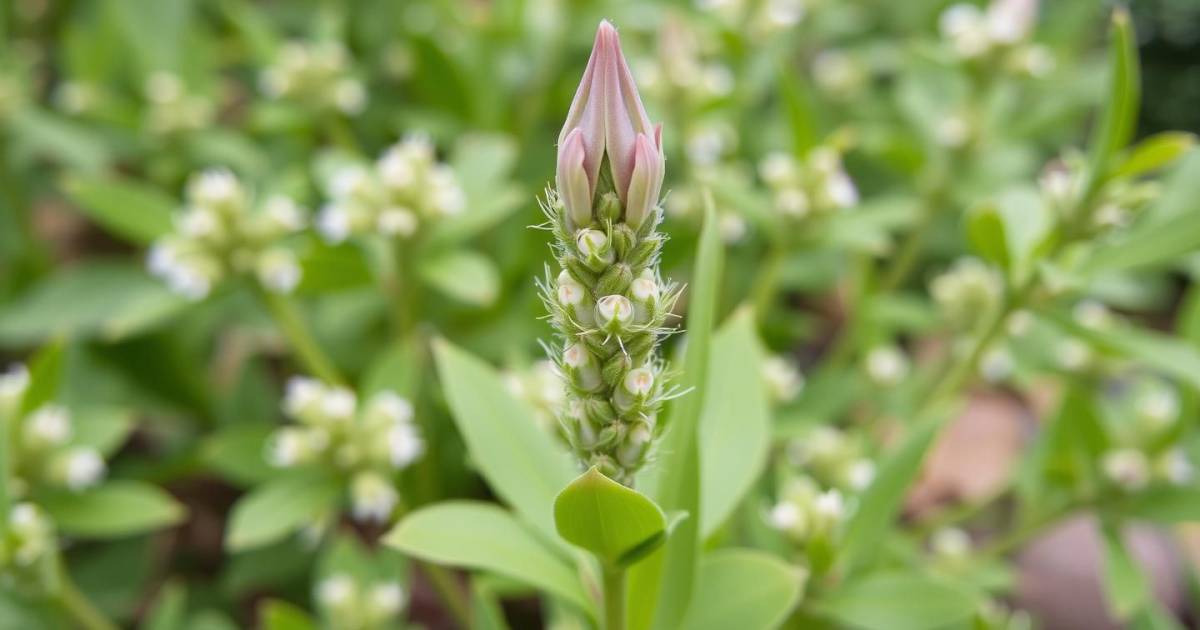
[349, 181]
[386, 599]
[840, 190]
[1073, 354]
[951, 543]
[390, 406]
[777, 168]
[732, 227]
[83, 468]
[1175, 467]
[829, 507]
[860, 474]
[639, 382]
[886, 365]
[339, 404]
[792, 202]
[397, 221]
[1158, 408]
[1019, 323]
[163, 87]
[570, 292]
[198, 222]
[333, 222]
[1092, 314]
[283, 213]
[785, 13]
[1010, 21]
[373, 498]
[614, 308]
[215, 188]
[302, 395]
[996, 365]
[405, 445]
[48, 426]
[953, 131]
[337, 591]
[1127, 468]
[965, 26]
[836, 72]
[278, 271]
[350, 96]
[783, 379]
[13, 383]
[785, 516]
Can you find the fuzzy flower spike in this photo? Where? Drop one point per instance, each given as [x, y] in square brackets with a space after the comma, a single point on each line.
[608, 302]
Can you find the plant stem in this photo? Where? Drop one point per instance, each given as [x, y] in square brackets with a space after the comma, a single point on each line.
[614, 598]
[76, 604]
[762, 295]
[448, 591]
[301, 340]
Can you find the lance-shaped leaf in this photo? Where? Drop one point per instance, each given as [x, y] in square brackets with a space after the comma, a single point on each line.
[618, 524]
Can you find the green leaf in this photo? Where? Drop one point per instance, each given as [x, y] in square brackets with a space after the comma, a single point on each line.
[482, 536]
[482, 163]
[104, 429]
[46, 371]
[1152, 349]
[1119, 117]
[1154, 153]
[661, 587]
[744, 589]
[132, 210]
[112, 510]
[465, 276]
[880, 503]
[236, 453]
[110, 300]
[985, 231]
[899, 601]
[329, 268]
[275, 614]
[42, 135]
[1150, 245]
[1162, 504]
[618, 524]
[735, 423]
[1125, 587]
[169, 610]
[279, 508]
[517, 458]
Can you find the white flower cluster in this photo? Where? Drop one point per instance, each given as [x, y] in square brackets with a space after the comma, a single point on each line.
[839, 74]
[813, 187]
[370, 442]
[783, 378]
[217, 235]
[41, 450]
[686, 202]
[351, 605]
[405, 188]
[1140, 456]
[541, 387]
[679, 70]
[171, 108]
[763, 18]
[806, 514]
[967, 292]
[318, 74]
[29, 538]
[1002, 30]
[886, 365]
[832, 458]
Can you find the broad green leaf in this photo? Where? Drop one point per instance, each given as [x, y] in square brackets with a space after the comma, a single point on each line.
[482, 536]
[516, 457]
[278, 508]
[465, 276]
[1162, 504]
[237, 453]
[881, 501]
[735, 423]
[661, 587]
[46, 371]
[1154, 153]
[1158, 243]
[1152, 349]
[899, 601]
[113, 509]
[275, 614]
[169, 609]
[1125, 587]
[104, 429]
[1119, 116]
[129, 209]
[328, 268]
[618, 524]
[744, 589]
[985, 231]
[112, 300]
[482, 163]
[41, 135]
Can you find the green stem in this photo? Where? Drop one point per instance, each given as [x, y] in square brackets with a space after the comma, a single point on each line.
[301, 340]
[76, 604]
[448, 591]
[614, 598]
[762, 295]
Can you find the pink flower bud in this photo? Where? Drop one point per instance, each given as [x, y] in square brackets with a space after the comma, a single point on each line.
[646, 182]
[574, 188]
[608, 115]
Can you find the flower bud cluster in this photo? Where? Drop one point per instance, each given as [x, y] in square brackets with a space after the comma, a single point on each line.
[760, 18]
[368, 443]
[967, 292]
[840, 74]
[806, 514]
[1115, 206]
[27, 541]
[41, 450]
[815, 187]
[832, 458]
[404, 190]
[783, 378]
[171, 108]
[218, 235]
[316, 74]
[351, 604]
[1000, 33]
[1146, 450]
[608, 303]
[686, 203]
[886, 365]
[679, 70]
[541, 387]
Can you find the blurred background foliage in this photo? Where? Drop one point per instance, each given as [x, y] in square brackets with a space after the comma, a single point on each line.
[108, 107]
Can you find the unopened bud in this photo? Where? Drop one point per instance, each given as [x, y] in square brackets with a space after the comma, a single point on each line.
[614, 312]
[594, 249]
[581, 368]
[1127, 467]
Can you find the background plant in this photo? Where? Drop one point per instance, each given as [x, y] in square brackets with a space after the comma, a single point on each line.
[885, 218]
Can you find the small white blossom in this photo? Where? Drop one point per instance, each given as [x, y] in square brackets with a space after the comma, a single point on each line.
[886, 365]
[278, 271]
[783, 378]
[397, 221]
[373, 498]
[390, 406]
[386, 599]
[786, 516]
[333, 222]
[1158, 408]
[339, 404]
[860, 474]
[405, 445]
[48, 426]
[83, 468]
[1127, 467]
[337, 591]
[951, 543]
